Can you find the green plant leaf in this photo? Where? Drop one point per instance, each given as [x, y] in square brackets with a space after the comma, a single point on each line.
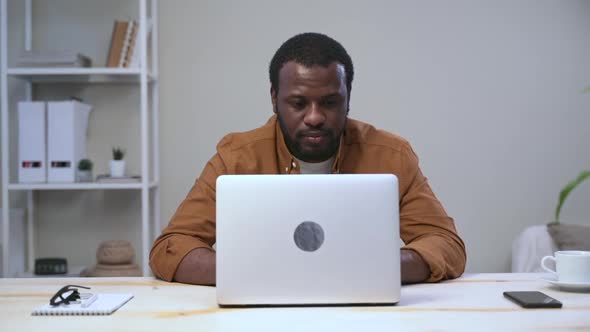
[118, 153]
[85, 165]
[567, 189]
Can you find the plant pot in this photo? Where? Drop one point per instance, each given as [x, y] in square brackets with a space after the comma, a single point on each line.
[84, 176]
[117, 168]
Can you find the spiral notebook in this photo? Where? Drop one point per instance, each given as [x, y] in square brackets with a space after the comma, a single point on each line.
[105, 304]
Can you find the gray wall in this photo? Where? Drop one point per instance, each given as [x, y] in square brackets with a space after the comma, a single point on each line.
[488, 93]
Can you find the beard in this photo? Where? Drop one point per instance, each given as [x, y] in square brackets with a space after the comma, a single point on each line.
[311, 153]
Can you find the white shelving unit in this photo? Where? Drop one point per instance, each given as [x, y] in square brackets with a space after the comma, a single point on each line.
[144, 77]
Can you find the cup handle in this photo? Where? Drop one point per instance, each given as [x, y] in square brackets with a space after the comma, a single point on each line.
[545, 259]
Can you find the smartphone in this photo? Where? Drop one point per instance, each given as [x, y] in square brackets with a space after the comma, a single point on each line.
[533, 299]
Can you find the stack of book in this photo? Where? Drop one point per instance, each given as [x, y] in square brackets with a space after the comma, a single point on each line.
[107, 178]
[54, 59]
[123, 44]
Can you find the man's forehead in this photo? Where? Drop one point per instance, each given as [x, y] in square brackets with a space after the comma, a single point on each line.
[295, 71]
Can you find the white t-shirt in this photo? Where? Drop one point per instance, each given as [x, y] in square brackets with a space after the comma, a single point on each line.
[324, 167]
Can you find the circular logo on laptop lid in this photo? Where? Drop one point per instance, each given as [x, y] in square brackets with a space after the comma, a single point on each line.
[309, 236]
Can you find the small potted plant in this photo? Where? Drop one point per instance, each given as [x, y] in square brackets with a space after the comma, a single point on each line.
[117, 165]
[84, 173]
[566, 191]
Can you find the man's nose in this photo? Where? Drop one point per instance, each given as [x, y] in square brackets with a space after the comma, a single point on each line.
[314, 117]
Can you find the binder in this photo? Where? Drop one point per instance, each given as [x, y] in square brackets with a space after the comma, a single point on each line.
[32, 166]
[67, 123]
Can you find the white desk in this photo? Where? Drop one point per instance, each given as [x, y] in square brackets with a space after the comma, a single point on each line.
[471, 303]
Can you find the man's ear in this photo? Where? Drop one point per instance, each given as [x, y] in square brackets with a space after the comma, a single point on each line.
[273, 99]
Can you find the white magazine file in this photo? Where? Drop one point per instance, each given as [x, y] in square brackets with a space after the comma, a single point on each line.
[32, 161]
[67, 123]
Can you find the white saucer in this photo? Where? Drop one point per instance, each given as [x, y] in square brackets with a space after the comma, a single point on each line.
[571, 286]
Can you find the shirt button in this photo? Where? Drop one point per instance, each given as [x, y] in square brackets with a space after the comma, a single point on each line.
[286, 169]
[294, 165]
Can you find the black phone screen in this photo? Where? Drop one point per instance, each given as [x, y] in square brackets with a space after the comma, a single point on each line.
[533, 299]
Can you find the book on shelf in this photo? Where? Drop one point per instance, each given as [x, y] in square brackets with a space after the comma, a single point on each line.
[117, 42]
[135, 54]
[123, 44]
[106, 178]
[53, 59]
[128, 44]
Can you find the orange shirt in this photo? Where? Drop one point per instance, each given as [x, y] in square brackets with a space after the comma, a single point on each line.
[425, 227]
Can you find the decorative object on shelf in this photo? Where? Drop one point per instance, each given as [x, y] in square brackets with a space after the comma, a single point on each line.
[49, 266]
[117, 165]
[54, 59]
[84, 173]
[114, 259]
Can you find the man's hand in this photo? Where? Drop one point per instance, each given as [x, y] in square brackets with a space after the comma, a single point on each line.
[197, 267]
[414, 268]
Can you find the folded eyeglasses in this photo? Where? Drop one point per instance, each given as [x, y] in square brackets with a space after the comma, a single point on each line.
[68, 294]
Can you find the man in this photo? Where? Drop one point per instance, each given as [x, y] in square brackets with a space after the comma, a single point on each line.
[310, 132]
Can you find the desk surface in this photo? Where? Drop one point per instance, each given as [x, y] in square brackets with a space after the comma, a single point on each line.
[471, 303]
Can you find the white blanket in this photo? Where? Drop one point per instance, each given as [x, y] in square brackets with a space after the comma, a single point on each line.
[530, 247]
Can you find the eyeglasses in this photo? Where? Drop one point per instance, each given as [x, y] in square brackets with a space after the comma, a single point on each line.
[66, 295]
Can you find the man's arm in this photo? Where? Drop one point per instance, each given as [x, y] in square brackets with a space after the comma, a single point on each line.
[197, 267]
[186, 242]
[425, 227]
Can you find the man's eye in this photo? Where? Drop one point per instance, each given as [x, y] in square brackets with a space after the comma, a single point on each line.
[298, 104]
[329, 103]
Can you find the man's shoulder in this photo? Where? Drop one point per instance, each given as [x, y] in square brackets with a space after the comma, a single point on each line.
[235, 141]
[361, 133]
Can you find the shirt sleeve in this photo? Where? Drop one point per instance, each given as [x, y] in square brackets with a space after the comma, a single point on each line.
[192, 226]
[425, 226]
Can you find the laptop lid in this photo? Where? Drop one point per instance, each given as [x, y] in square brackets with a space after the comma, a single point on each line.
[307, 239]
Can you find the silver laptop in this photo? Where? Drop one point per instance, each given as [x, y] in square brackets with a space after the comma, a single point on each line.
[307, 239]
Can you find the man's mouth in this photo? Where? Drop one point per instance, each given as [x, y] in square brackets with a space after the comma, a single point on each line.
[315, 138]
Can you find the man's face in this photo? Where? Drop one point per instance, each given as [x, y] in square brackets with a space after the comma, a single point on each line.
[312, 106]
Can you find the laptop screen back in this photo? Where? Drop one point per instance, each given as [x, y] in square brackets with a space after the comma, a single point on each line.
[307, 239]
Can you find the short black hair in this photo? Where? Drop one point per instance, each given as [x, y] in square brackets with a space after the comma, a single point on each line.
[310, 49]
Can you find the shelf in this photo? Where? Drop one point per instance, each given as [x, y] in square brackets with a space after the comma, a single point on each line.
[78, 75]
[28, 82]
[77, 186]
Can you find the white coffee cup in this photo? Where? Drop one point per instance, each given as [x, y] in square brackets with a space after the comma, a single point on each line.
[570, 266]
